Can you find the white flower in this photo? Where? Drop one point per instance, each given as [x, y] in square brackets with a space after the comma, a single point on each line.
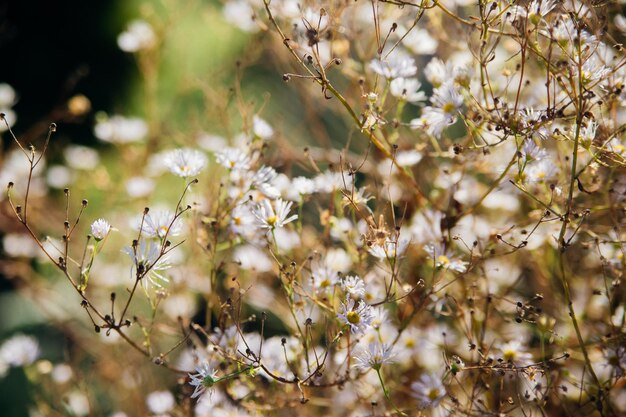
[19, 350]
[389, 250]
[7, 96]
[205, 377]
[354, 285]
[357, 315]
[398, 65]
[9, 118]
[160, 402]
[514, 353]
[261, 128]
[241, 14]
[233, 158]
[146, 256]
[407, 89]
[185, 162]
[272, 216]
[120, 129]
[374, 356]
[429, 391]
[161, 223]
[100, 229]
[138, 36]
[444, 258]
[81, 157]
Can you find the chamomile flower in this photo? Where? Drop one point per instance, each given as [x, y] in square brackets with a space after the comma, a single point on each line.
[356, 314]
[100, 229]
[270, 216]
[119, 129]
[429, 391]
[204, 378]
[19, 350]
[374, 356]
[185, 162]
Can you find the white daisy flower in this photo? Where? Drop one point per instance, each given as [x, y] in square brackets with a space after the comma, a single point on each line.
[204, 378]
[185, 162]
[272, 216]
[358, 315]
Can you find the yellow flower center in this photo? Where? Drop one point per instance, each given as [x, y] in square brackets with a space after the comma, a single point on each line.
[509, 354]
[443, 260]
[448, 107]
[271, 220]
[433, 394]
[353, 317]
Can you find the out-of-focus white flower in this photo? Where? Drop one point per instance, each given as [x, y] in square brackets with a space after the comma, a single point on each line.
[139, 186]
[78, 403]
[514, 353]
[408, 158]
[62, 373]
[354, 285]
[620, 22]
[160, 402]
[161, 223]
[389, 250]
[446, 102]
[419, 41]
[241, 14]
[407, 89]
[204, 378]
[19, 245]
[252, 258]
[81, 157]
[444, 258]
[397, 65]
[9, 116]
[261, 128]
[19, 350]
[429, 391]
[234, 158]
[271, 216]
[7, 96]
[356, 314]
[100, 229]
[59, 176]
[374, 356]
[119, 129]
[185, 162]
[139, 35]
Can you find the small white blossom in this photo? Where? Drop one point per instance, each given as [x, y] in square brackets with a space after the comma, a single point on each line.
[160, 402]
[271, 216]
[19, 350]
[204, 378]
[120, 129]
[429, 391]
[374, 356]
[100, 229]
[185, 162]
[354, 285]
[356, 314]
[138, 36]
[398, 65]
[161, 224]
